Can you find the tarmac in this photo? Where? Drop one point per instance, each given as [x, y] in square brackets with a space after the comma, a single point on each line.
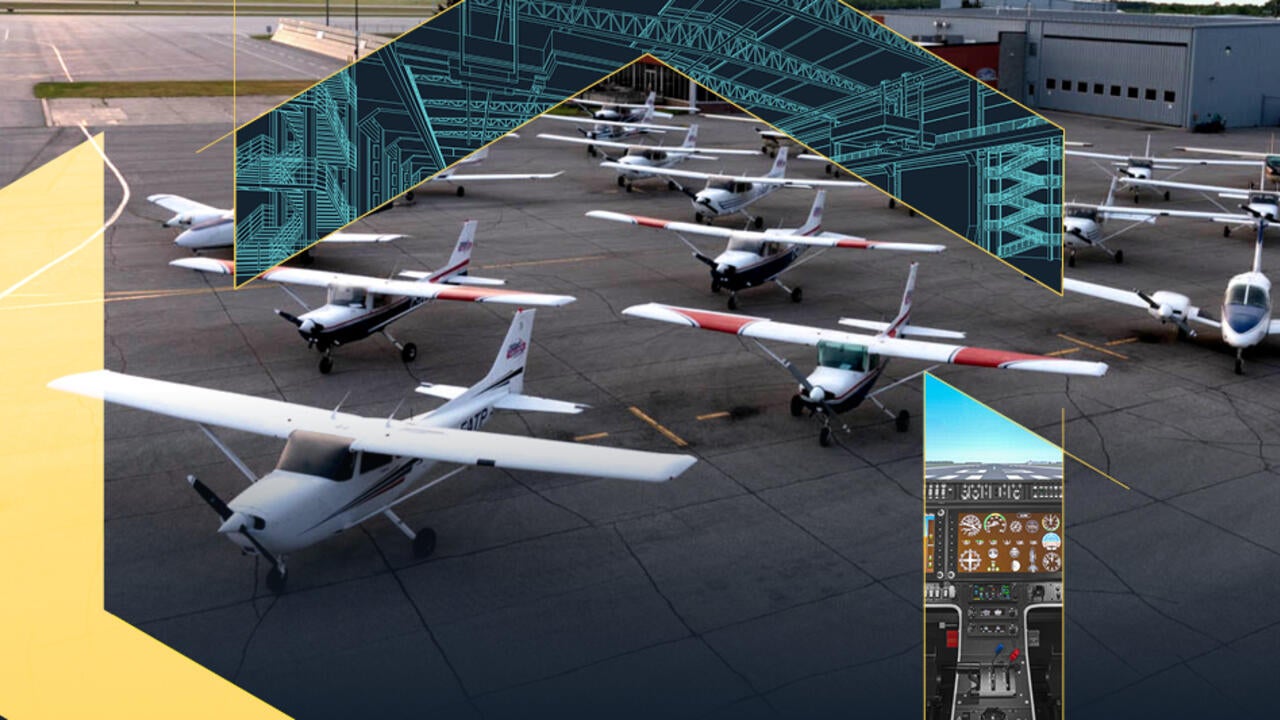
[776, 578]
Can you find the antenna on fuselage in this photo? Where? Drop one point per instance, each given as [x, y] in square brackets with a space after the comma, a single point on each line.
[334, 415]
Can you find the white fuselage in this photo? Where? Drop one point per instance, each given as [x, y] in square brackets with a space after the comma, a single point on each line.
[724, 198]
[641, 164]
[1246, 310]
[287, 510]
[215, 231]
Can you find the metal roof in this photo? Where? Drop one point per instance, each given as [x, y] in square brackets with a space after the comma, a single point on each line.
[1085, 16]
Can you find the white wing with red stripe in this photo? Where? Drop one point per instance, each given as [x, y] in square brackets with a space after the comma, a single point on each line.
[1222, 191]
[824, 239]
[276, 418]
[670, 149]
[765, 329]
[382, 286]
[611, 123]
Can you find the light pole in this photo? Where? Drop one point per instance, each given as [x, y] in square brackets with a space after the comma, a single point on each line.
[357, 29]
[326, 13]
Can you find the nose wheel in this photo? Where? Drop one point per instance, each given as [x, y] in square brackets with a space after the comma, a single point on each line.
[408, 351]
[276, 578]
[424, 543]
[1240, 361]
[326, 362]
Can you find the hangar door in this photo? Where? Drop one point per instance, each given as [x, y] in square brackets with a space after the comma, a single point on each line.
[1138, 80]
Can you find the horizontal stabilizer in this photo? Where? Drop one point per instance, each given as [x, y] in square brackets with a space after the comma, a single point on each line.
[917, 330]
[445, 392]
[529, 403]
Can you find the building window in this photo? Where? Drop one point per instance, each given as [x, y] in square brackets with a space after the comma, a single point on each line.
[1097, 88]
[1050, 84]
[1082, 86]
[1031, 89]
[1133, 93]
[1115, 91]
[1066, 84]
[1169, 96]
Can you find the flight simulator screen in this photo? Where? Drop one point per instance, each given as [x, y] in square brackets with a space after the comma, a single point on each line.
[999, 542]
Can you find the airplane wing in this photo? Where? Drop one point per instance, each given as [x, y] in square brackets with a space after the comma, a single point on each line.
[1232, 153]
[779, 181]
[276, 418]
[1130, 298]
[182, 206]
[1203, 161]
[1137, 214]
[591, 121]
[1224, 191]
[348, 237]
[1100, 156]
[450, 177]
[765, 329]
[826, 239]
[381, 286]
[673, 149]
[1274, 328]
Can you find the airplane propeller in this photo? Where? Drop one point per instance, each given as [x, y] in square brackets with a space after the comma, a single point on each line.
[210, 497]
[289, 316]
[1166, 312]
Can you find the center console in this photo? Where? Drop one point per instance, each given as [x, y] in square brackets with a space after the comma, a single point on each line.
[993, 557]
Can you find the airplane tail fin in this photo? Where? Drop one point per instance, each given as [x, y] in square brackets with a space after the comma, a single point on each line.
[479, 155]
[460, 260]
[691, 139]
[779, 168]
[815, 214]
[1257, 248]
[904, 312]
[508, 367]
[1111, 192]
[1148, 150]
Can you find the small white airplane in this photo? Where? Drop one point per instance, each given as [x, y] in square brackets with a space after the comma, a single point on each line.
[1269, 161]
[728, 194]
[1143, 167]
[629, 112]
[850, 363]
[338, 469]
[208, 227]
[1083, 224]
[755, 258]
[640, 160]
[608, 130]
[1246, 305]
[452, 177]
[771, 140]
[358, 306]
[1257, 205]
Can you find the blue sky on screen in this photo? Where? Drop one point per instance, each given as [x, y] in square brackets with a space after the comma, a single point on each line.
[961, 429]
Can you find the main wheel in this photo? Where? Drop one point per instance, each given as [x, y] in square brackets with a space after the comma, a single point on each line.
[911, 212]
[326, 364]
[764, 149]
[733, 302]
[1226, 231]
[902, 423]
[1239, 366]
[424, 543]
[824, 437]
[409, 352]
[892, 203]
[627, 187]
[796, 295]
[1071, 259]
[461, 191]
[1166, 196]
[591, 150]
[622, 182]
[715, 284]
[697, 218]
[408, 197]
[1119, 257]
[276, 580]
[1135, 198]
[671, 185]
[757, 223]
[797, 405]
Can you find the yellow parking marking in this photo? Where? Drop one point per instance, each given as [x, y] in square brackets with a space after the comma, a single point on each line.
[1091, 346]
[1077, 459]
[592, 436]
[714, 415]
[1122, 342]
[679, 441]
[1067, 351]
[556, 261]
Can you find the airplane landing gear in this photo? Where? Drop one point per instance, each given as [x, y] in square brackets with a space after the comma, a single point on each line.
[408, 351]
[1119, 257]
[276, 578]
[797, 405]
[733, 301]
[757, 222]
[795, 293]
[715, 284]
[461, 191]
[1071, 257]
[902, 422]
[1226, 231]
[326, 363]
[424, 543]
[1240, 361]
[824, 436]
[622, 182]
[671, 185]
[1166, 196]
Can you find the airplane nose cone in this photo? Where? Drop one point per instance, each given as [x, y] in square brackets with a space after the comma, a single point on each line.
[818, 395]
[234, 523]
[307, 326]
[183, 239]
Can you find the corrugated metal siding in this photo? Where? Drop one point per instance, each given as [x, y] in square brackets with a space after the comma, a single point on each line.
[1244, 85]
[1124, 64]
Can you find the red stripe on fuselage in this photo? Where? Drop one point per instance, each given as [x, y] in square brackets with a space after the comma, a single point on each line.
[720, 322]
[982, 357]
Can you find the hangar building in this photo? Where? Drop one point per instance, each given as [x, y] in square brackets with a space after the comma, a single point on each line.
[1168, 69]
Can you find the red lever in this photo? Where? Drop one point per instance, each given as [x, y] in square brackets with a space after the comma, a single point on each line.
[1013, 656]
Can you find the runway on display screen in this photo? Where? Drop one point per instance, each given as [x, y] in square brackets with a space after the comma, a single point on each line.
[988, 471]
[775, 578]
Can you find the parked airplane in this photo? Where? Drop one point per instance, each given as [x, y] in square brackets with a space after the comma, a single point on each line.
[1246, 305]
[1083, 224]
[1143, 167]
[1257, 205]
[771, 140]
[641, 159]
[612, 130]
[1269, 161]
[338, 469]
[726, 194]
[208, 227]
[357, 306]
[755, 258]
[850, 363]
[627, 112]
[452, 177]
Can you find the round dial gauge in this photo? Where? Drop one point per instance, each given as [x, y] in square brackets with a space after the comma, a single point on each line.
[969, 560]
[993, 553]
[970, 525]
[1015, 526]
[1051, 541]
[995, 522]
[1033, 527]
[1014, 552]
[1051, 522]
[1051, 561]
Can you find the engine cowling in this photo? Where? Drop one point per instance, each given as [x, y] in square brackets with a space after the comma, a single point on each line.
[1172, 306]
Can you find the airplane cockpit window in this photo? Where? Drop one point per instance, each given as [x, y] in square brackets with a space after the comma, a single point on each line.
[318, 455]
[348, 296]
[1249, 295]
[1141, 163]
[722, 184]
[372, 461]
[741, 187]
[744, 245]
[1263, 198]
[842, 356]
[1273, 164]
[1084, 213]
[655, 155]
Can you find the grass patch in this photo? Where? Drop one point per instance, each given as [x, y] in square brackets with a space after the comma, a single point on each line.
[168, 88]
